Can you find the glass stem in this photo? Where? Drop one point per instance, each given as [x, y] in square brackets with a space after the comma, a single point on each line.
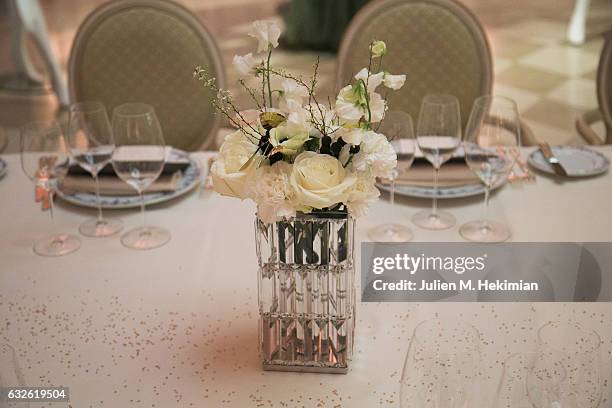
[57, 240]
[434, 210]
[97, 180]
[486, 204]
[142, 208]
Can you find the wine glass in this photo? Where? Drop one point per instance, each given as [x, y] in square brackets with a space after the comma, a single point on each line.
[438, 137]
[138, 159]
[578, 350]
[11, 375]
[526, 377]
[397, 126]
[442, 366]
[491, 148]
[91, 146]
[45, 160]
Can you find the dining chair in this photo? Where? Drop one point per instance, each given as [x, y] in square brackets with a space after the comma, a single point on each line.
[145, 51]
[439, 44]
[584, 124]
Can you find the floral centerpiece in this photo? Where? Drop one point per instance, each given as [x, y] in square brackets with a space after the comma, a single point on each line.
[311, 168]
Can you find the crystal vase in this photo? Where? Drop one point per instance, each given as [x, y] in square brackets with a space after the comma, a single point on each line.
[306, 292]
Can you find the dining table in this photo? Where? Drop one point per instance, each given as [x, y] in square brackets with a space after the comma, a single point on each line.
[178, 325]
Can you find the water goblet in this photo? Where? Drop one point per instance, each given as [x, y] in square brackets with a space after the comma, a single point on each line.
[491, 149]
[138, 159]
[398, 127]
[438, 136]
[91, 145]
[44, 160]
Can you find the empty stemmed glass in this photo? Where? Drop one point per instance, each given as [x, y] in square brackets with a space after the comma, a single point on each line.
[438, 137]
[45, 160]
[442, 366]
[526, 378]
[91, 144]
[577, 348]
[11, 375]
[397, 126]
[138, 159]
[491, 148]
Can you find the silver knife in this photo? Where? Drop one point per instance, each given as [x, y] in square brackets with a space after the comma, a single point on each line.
[552, 160]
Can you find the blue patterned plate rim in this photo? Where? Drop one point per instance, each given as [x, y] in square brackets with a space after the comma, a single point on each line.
[190, 179]
[468, 190]
[3, 167]
[598, 162]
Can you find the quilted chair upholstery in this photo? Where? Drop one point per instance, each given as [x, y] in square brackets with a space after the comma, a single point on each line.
[438, 44]
[145, 51]
[604, 97]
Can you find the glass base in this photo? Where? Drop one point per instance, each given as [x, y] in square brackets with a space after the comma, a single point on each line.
[97, 229]
[57, 245]
[439, 221]
[390, 233]
[145, 238]
[485, 231]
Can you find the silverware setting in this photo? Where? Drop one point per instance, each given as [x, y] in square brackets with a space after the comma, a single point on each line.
[554, 162]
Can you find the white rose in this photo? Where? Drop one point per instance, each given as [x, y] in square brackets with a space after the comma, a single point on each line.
[319, 180]
[244, 64]
[375, 155]
[228, 176]
[266, 33]
[362, 194]
[394, 82]
[271, 191]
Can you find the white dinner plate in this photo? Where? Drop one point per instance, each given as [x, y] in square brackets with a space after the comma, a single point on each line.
[190, 179]
[578, 161]
[3, 168]
[468, 190]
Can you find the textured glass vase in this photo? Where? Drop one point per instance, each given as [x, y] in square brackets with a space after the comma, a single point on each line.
[306, 292]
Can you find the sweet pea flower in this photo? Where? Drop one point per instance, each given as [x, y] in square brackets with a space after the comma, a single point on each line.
[379, 49]
[244, 64]
[266, 33]
[394, 82]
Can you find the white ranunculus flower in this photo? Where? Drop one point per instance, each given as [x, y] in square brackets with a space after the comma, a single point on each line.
[373, 81]
[266, 33]
[272, 192]
[379, 49]
[362, 194]
[376, 155]
[319, 180]
[394, 82]
[289, 137]
[244, 64]
[228, 176]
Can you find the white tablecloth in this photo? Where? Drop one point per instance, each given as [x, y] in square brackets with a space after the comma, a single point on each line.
[177, 326]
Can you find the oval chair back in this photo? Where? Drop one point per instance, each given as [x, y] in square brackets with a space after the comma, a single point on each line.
[145, 51]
